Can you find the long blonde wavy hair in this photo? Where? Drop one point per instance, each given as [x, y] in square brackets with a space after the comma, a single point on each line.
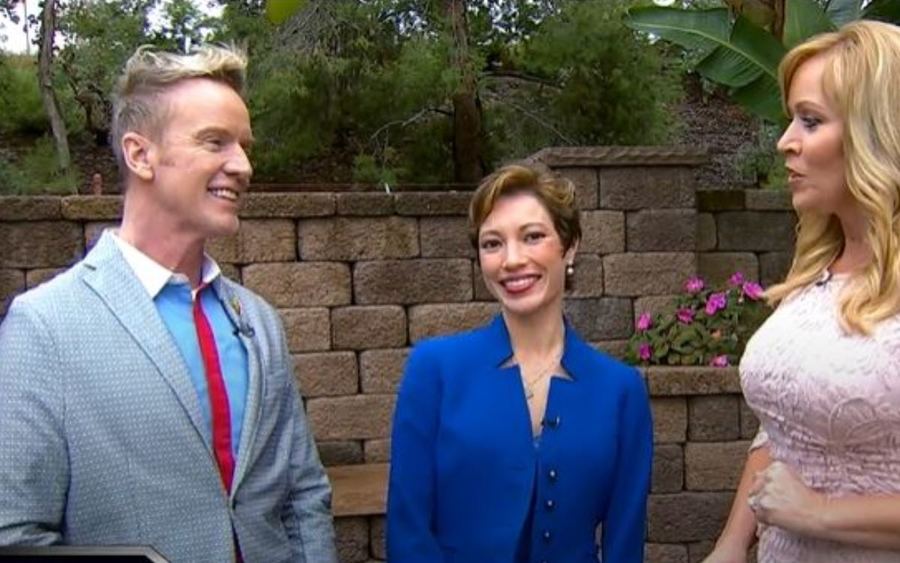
[861, 76]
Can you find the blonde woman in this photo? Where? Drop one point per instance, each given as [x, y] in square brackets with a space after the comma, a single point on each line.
[822, 481]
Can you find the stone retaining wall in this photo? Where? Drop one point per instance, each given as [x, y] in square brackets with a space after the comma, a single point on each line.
[358, 276]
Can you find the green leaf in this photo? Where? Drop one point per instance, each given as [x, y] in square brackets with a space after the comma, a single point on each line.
[751, 52]
[703, 30]
[802, 20]
[279, 11]
[762, 97]
[883, 10]
[842, 11]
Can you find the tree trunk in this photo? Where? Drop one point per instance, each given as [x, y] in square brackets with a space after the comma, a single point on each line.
[468, 162]
[51, 106]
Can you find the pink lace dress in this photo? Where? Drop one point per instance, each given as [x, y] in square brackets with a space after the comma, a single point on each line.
[829, 406]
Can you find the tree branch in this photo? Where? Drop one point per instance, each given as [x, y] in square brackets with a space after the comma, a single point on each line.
[533, 116]
[521, 77]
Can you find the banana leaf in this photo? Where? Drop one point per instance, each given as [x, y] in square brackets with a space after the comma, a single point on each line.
[700, 30]
[743, 57]
[841, 11]
[883, 10]
[803, 19]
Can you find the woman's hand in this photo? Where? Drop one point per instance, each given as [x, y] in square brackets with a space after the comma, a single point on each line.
[779, 498]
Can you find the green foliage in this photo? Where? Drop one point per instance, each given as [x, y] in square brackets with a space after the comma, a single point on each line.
[614, 86]
[21, 109]
[702, 327]
[37, 172]
[740, 52]
[278, 11]
[371, 83]
[762, 162]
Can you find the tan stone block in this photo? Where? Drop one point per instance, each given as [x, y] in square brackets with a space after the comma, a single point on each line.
[377, 537]
[714, 466]
[641, 187]
[669, 419]
[287, 205]
[381, 370]
[749, 421]
[654, 304]
[40, 244]
[412, 281]
[358, 238]
[699, 551]
[257, 241]
[30, 208]
[615, 348]
[668, 468]
[432, 203]
[604, 318]
[94, 229]
[755, 230]
[377, 451]
[362, 328]
[716, 267]
[308, 330]
[665, 553]
[774, 266]
[445, 237]
[230, 271]
[602, 232]
[661, 230]
[12, 283]
[364, 203]
[326, 374]
[481, 290]
[685, 517]
[34, 278]
[357, 417]
[649, 273]
[308, 284]
[433, 320]
[665, 381]
[714, 418]
[344, 452]
[721, 200]
[706, 232]
[352, 539]
[768, 200]
[588, 278]
[92, 207]
[586, 185]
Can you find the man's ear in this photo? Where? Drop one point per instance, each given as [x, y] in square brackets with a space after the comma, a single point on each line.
[136, 152]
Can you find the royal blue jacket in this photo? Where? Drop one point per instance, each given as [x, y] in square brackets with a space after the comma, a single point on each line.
[464, 466]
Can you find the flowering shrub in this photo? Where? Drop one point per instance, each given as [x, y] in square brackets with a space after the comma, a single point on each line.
[705, 327]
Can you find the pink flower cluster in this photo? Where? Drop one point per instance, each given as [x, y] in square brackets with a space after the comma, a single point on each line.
[644, 322]
[715, 302]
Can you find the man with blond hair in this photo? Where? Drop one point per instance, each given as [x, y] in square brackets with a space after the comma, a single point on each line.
[145, 399]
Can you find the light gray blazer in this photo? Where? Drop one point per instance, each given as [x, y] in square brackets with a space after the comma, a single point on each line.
[102, 440]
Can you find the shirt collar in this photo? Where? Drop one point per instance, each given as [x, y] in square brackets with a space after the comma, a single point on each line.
[154, 276]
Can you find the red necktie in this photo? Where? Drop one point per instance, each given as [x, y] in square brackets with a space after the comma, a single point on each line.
[218, 395]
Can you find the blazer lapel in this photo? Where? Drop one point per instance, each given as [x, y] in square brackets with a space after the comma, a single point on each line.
[115, 283]
[256, 383]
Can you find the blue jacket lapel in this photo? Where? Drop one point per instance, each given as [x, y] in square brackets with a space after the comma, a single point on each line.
[236, 310]
[115, 283]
